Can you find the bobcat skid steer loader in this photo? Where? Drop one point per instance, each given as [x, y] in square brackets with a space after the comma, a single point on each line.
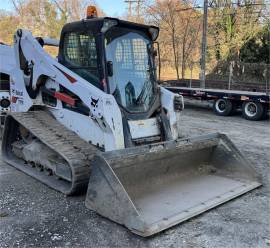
[95, 119]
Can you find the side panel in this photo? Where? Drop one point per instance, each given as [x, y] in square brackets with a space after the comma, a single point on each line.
[167, 102]
[82, 125]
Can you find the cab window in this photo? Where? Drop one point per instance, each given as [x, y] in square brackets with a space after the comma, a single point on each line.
[80, 55]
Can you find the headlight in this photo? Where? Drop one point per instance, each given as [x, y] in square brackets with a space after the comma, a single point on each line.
[178, 103]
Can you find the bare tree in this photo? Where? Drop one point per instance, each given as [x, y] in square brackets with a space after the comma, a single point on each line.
[164, 15]
[190, 39]
[47, 17]
[180, 22]
[76, 9]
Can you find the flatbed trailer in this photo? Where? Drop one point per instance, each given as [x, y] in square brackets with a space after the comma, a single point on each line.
[254, 105]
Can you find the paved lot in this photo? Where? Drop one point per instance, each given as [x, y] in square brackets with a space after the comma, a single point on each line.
[32, 215]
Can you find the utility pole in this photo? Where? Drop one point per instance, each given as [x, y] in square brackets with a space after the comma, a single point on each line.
[138, 4]
[268, 65]
[129, 2]
[138, 8]
[204, 44]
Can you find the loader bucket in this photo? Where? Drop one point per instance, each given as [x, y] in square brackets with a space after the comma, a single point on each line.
[151, 188]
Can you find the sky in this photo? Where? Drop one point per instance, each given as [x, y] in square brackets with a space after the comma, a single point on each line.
[110, 7]
[113, 7]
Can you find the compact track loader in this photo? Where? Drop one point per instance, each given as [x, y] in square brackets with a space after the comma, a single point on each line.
[95, 119]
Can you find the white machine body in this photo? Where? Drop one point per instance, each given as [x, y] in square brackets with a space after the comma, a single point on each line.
[103, 127]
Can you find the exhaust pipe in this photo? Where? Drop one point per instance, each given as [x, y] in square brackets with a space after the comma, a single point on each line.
[151, 188]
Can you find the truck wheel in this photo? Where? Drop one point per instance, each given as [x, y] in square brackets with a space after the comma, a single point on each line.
[223, 107]
[253, 111]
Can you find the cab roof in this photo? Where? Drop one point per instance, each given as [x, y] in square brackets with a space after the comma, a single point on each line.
[96, 24]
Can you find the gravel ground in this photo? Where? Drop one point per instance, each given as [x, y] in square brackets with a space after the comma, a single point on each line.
[32, 215]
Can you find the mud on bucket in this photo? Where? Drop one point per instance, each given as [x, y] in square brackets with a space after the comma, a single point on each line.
[151, 188]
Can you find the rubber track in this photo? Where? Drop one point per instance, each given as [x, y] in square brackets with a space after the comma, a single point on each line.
[77, 152]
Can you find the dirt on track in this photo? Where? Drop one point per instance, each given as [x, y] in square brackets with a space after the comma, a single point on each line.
[33, 215]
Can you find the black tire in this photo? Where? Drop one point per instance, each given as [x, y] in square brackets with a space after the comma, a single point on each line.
[253, 111]
[223, 107]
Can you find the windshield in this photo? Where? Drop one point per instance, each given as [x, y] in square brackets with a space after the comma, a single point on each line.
[133, 74]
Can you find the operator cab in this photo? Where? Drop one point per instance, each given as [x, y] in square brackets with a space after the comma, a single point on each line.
[115, 56]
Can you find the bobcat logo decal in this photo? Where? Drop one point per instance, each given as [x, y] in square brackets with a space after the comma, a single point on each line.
[94, 102]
